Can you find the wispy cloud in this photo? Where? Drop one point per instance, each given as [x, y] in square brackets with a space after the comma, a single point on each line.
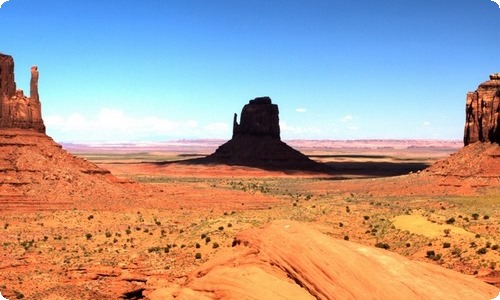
[113, 125]
[298, 132]
[426, 123]
[347, 118]
[300, 110]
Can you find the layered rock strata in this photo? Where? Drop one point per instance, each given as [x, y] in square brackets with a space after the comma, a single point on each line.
[483, 113]
[256, 140]
[16, 109]
[35, 172]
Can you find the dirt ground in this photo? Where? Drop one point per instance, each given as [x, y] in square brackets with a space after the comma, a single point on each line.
[179, 216]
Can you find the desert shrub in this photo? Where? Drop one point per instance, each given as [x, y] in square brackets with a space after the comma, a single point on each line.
[229, 225]
[430, 254]
[128, 231]
[341, 224]
[450, 220]
[203, 235]
[90, 217]
[456, 251]
[475, 216]
[346, 238]
[447, 231]
[207, 239]
[221, 228]
[108, 234]
[215, 245]
[197, 255]
[88, 236]
[478, 235]
[486, 217]
[347, 209]
[446, 245]
[494, 247]
[19, 295]
[366, 217]
[482, 251]
[408, 245]
[197, 245]
[382, 245]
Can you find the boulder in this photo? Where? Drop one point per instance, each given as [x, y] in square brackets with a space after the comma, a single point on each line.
[483, 113]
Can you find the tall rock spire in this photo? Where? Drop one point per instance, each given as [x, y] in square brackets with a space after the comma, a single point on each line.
[16, 109]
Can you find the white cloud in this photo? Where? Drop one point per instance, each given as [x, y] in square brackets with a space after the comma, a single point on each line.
[2, 2]
[497, 2]
[347, 118]
[300, 110]
[295, 132]
[427, 123]
[113, 125]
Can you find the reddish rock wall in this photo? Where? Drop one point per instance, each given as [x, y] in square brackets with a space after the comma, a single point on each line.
[16, 109]
[483, 113]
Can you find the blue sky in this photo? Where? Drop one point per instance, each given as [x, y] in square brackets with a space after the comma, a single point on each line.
[153, 70]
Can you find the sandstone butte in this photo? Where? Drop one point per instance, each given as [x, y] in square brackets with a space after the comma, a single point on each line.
[256, 141]
[480, 156]
[35, 172]
[290, 260]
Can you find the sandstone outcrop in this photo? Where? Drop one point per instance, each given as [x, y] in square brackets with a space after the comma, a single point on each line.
[16, 109]
[290, 260]
[35, 172]
[483, 113]
[256, 141]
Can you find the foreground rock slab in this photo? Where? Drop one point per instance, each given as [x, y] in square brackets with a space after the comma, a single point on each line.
[290, 260]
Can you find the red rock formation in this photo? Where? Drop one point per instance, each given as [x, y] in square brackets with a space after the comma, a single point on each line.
[258, 118]
[35, 172]
[256, 141]
[290, 260]
[17, 110]
[483, 113]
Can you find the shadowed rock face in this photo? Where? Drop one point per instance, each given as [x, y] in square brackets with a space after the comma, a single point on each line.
[258, 118]
[17, 110]
[483, 113]
[256, 141]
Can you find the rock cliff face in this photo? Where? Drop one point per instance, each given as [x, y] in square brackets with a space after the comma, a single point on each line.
[16, 109]
[256, 141]
[258, 118]
[483, 113]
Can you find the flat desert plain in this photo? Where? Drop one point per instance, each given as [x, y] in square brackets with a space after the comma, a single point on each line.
[178, 216]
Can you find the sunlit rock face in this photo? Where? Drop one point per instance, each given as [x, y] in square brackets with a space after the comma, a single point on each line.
[16, 109]
[483, 113]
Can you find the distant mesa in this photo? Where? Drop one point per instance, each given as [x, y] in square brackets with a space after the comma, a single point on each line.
[483, 113]
[16, 109]
[256, 141]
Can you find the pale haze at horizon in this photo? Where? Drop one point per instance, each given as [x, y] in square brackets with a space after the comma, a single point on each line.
[164, 70]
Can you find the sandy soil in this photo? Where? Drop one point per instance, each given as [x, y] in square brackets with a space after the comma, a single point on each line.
[151, 235]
